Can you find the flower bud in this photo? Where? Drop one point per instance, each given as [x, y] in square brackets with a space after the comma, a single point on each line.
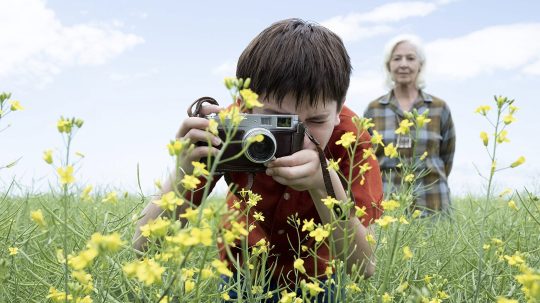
[518, 162]
[247, 83]
[485, 138]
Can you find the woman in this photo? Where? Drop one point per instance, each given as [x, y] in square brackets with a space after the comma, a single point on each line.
[430, 146]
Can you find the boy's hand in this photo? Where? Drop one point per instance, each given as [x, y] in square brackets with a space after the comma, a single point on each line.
[194, 129]
[300, 171]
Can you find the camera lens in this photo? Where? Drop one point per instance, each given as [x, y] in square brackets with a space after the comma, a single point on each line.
[260, 152]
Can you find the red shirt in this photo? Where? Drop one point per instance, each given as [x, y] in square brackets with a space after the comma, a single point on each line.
[279, 202]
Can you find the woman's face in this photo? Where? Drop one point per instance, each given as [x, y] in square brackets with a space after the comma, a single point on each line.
[404, 64]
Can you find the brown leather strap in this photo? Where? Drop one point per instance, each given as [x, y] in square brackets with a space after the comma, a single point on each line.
[198, 104]
[326, 175]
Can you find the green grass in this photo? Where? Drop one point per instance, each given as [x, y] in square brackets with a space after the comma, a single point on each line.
[445, 248]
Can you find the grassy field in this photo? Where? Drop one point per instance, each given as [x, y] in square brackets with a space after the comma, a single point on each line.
[476, 251]
[74, 244]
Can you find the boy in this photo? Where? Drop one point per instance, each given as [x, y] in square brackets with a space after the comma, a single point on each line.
[297, 68]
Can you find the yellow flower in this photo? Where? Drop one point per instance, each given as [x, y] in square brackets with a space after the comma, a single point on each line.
[515, 259]
[407, 253]
[258, 216]
[512, 205]
[353, 287]
[155, 228]
[333, 164]
[319, 234]
[360, 211]
[189, 285]
[190, 182]
[424, 155]
[486, 246]
[313, 288]
[404, 127]
[416, 213]
[403, 220]
[146, 271]
[385, 221]
[442, 295]
[201, 235]
[370, 239]
[501, 100]
[483, 109]
[221, 267]
[502, 137]
[58, 296]
[485, 138]
[199, 169]
[390, 151]
[225, 296]
[110, 198]
[422, 120]
[409, 178]
[505, 192]
[190, 214]
[509, 119]
[390, 205]
[518, 162]
[212, 127]
[299, 265]
[111, 242]
[64, 125]
[15, 106]
[330, 202]
[387, 298]
[513, 109]
[37, 217]
[346, 139]
[308, 225]
[369, 152]
[13, 251]
[66, 174]
[402, 287]
[169, 201]
[497, 241]
[376, 138]
[505, 300]
[176, 147]
[47, 156]
[83, 259]
[531, 284]
[85, 195]
[250, 98]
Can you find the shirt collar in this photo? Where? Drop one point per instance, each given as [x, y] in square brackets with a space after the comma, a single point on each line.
[386, 98]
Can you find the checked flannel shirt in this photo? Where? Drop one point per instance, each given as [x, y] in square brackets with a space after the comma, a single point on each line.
[437, 138]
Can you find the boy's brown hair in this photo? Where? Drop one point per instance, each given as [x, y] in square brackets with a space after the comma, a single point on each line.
[296, 57]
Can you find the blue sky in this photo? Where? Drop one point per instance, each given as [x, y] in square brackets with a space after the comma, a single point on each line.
[130, 69]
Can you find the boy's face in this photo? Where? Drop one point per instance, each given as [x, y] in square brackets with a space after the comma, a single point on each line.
[320, 120]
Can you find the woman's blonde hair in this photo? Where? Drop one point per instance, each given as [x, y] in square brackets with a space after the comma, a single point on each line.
[389, 49]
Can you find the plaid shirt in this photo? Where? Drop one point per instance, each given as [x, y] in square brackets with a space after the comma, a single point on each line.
[437, 138]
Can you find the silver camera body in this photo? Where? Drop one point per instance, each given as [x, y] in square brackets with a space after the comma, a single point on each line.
[283, 135]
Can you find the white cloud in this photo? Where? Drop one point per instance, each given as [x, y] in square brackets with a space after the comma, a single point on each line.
[226, 69]
[504, 47]
[36, 43]
[364, 88]
[354, 26]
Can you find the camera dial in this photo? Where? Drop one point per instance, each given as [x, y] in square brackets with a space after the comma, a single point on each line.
[259, 152]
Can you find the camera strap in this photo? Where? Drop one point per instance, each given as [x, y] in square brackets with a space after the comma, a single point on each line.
[194, 111]
[326, 174]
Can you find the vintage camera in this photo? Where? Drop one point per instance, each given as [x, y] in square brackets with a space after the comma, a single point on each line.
[283, 135]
